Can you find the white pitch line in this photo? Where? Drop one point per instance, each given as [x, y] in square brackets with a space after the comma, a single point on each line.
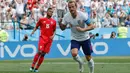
[75, 63]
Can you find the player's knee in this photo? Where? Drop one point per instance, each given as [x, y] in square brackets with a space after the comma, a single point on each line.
[74, 54]
[88, 57]
[43, 54]
[39, 52]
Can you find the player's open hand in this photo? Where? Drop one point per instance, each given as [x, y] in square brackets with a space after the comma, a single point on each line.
[31, 33]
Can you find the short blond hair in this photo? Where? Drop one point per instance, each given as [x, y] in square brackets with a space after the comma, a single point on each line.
[72, 1]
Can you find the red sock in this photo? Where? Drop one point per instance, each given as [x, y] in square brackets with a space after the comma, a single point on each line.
[35, 59]
[40, 62]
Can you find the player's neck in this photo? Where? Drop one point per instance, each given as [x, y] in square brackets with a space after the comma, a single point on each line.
[48, 17]
[74, 14]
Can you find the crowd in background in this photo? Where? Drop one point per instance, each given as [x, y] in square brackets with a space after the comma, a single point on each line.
[23, 14]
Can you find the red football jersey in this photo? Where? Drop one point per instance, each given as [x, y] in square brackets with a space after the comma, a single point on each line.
[47, 27]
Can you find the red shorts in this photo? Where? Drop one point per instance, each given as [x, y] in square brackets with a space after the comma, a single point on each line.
[44, 45]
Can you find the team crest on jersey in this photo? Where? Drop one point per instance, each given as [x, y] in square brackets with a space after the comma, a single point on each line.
[80, 22]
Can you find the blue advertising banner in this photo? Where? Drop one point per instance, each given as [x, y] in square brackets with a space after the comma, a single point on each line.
[60, 35]
[61, 49]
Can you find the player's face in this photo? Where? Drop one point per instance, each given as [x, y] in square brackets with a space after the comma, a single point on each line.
[50, 12]
[72, 8]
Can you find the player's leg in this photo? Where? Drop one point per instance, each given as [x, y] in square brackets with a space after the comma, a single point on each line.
[35, 59]
[75, 46]
[40, 60]
[45, 50]
[90, 63]
[38, 54]
[87, 49]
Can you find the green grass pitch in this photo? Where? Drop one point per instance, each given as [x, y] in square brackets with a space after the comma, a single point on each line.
[68, 65]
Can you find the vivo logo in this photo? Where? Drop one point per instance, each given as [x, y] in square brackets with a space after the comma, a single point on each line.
[19, 48]
[94, 45]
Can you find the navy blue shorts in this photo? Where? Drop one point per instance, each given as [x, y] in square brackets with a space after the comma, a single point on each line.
[86, 46]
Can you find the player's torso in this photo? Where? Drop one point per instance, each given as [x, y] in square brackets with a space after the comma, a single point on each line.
[78, 21]
[47, 27]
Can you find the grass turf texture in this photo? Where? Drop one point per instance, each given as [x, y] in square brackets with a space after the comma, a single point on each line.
[68, 65]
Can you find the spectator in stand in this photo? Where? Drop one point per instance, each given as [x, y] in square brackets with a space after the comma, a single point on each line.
[113, 34]
[80, 5]
[87, 7]
[24, 22]
[36, 12]
[101, 11]
[10, 13]
[128, 8]
[125, 8]
[115, 20]
[122, 16]
[110, 3]
[94, 6]
[127, 21]
[25, 37]
[122, 31]
[61, 8]
[95, 20]
[106, 20]
[31, 3]
[120, 2]
[19, 9]
[47, 4]
[110, 8]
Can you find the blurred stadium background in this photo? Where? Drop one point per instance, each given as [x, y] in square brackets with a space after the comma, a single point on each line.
[111, 51]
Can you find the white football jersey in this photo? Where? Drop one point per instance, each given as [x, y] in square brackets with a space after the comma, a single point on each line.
[81, 20]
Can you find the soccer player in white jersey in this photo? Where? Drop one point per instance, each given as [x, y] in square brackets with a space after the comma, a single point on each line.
[80, 24]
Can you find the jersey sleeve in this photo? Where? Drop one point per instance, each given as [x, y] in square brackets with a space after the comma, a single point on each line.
[87, 19]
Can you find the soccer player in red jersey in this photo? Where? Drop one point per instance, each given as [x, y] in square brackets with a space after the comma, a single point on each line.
[47, 31]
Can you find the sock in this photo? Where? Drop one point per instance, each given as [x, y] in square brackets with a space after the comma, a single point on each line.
[35, 60]
[39, 62]
[78, 59]
[91, 65]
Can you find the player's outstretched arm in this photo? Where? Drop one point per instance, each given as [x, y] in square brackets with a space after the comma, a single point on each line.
[36, 27]
[90, 27]
[34, 30]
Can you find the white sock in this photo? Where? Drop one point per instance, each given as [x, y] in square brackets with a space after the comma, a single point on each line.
[78, 59]
[91, 65]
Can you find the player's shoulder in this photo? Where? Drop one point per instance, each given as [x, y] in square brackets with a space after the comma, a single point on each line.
[83, 14]
[42, 18]
[52, 19]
